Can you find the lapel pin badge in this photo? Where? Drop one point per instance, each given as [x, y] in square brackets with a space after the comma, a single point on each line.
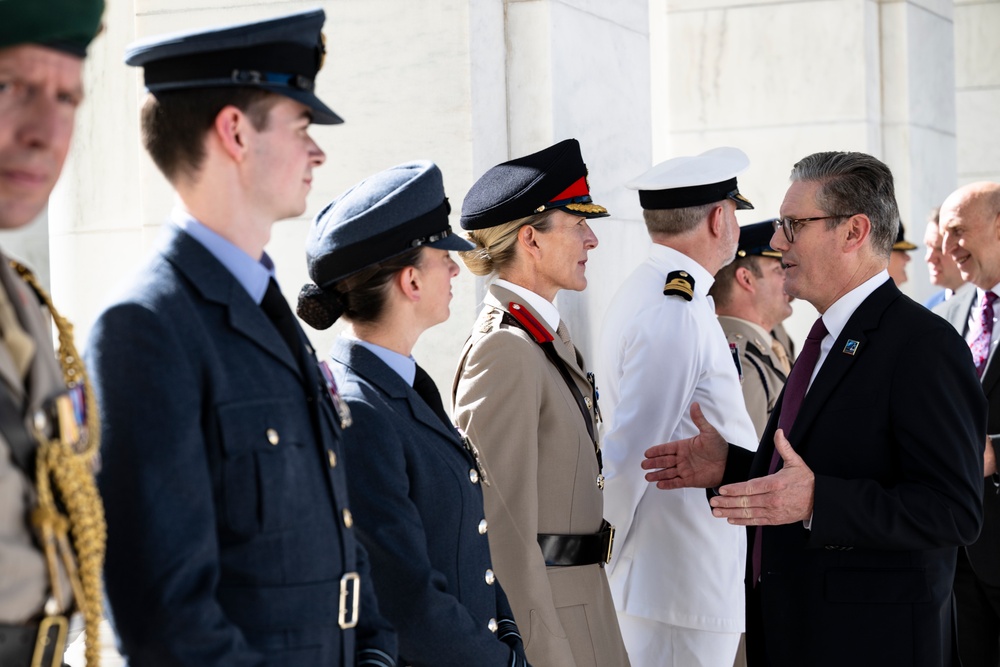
[851, 348]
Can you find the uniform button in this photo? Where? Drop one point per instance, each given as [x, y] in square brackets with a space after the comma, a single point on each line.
[482, 527]
[492, 625]
[473, 475]
[272, 436]
[41, 421]
[348, 518]
[332, 456]
[490, 577]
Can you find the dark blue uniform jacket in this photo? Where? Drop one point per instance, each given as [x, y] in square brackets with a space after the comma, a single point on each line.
[418, 502]
[227, 508]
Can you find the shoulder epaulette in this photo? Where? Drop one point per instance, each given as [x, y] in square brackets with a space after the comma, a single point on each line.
[530, 324]
[679, 283]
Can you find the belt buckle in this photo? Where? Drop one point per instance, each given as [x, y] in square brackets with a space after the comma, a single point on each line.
[350, 586]
[611, 543]
[51, 642]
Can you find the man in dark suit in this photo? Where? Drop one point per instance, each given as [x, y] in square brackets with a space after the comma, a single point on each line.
[230, 531]
[864, 503]
[970, 226]
[941, 269]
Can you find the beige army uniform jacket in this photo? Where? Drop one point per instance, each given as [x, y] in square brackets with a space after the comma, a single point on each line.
[515, 407]
[24, 580]
[763, 378]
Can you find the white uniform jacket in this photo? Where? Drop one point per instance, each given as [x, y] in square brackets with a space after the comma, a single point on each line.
[674, 562]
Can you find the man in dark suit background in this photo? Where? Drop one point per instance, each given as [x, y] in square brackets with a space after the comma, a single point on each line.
[970, 225]
[864, 487]
[230, 531]
[941, 269]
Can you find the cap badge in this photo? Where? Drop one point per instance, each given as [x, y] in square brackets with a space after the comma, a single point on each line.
[679, 283]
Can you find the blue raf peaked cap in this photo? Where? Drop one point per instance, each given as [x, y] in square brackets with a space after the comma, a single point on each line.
[755, 239]
[281, 55]
[554, 177]
[385, 215]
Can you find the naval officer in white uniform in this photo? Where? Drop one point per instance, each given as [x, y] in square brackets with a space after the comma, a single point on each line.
[677, 578]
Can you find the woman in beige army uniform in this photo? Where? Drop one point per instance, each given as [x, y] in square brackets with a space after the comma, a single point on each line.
[525, 400]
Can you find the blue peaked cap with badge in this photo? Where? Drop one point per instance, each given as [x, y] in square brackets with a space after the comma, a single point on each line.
[693, 180]
[755, 240]
[385, 215]
[281, 55]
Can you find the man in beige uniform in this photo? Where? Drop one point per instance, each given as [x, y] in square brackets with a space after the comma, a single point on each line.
[51, 522]
[750, 301]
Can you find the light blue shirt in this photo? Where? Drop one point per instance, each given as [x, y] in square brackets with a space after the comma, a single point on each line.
[404, 366]
[252, 274]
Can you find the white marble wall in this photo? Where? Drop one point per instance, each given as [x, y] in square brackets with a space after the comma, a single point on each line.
[784, 79]
[577, 68]
[466, 83]
[977, 65]
[469, 83]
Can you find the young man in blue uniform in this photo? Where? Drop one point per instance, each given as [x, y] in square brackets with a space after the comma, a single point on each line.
[232, 537]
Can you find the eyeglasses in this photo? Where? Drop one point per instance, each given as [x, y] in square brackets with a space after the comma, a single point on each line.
[790, 225]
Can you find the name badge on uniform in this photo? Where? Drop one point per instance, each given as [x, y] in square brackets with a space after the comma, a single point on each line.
[339, 404]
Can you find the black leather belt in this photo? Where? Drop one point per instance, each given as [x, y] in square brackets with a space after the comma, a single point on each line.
[40, 644]
[564, 550]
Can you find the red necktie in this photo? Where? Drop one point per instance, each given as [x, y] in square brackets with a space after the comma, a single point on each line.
[795, 391]
[980, 346]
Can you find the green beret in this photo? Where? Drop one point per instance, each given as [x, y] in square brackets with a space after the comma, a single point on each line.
[66, 25]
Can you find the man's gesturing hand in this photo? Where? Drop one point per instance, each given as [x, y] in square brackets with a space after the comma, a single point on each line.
[695, 462]
[784, 497]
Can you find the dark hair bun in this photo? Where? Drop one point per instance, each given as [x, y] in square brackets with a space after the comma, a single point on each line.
[319, 308]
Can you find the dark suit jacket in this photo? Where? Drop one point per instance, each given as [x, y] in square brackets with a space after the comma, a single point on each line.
[894, 435]
[418, 502]
[984, 554]
[227, 523]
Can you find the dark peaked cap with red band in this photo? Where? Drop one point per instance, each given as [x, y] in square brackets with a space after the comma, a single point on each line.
[554, 177]
[686, 181]
[281, 55]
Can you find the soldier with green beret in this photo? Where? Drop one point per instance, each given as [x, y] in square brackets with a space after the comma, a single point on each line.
[51, 518]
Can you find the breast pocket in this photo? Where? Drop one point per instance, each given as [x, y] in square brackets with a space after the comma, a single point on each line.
[268, 470]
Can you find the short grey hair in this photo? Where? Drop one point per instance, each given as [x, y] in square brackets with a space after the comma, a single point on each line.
[852, 183]
[673, 221]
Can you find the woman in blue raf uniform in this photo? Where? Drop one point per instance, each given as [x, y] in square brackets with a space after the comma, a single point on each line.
[378, 255]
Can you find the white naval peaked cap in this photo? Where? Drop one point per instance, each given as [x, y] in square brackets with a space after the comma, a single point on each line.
[693, 180]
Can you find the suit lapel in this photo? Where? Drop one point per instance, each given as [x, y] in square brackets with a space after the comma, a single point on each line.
[840, 361]
[366, 365]
[217, 285]
[959, 308]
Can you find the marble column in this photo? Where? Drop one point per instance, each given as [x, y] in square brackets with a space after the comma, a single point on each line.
[547, 70]
[782, 80]
[977, 89]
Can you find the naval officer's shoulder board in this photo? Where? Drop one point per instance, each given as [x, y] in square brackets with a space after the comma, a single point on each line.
[679, 283]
